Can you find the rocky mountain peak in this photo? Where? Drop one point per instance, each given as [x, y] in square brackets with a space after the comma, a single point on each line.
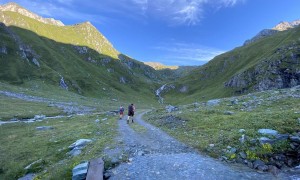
[13, 7]
[282, 26]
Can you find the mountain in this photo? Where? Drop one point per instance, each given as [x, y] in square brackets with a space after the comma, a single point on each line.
[80, 59]
[77, 58]
[267, 63]
[169, 73]
[13, 7]
[282, 26]
[160, 66]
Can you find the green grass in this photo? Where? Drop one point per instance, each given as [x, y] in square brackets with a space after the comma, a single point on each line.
[54, 49]
[205, 125]
[207, 82]
[22, 144]
[15, 108]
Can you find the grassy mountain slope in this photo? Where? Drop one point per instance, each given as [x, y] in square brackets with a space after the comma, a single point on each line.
[88, 63]
[269, 63]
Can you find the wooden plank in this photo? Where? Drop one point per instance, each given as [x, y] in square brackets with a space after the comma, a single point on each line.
[95, 170]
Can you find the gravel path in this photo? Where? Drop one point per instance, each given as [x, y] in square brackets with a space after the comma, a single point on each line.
[155, 155]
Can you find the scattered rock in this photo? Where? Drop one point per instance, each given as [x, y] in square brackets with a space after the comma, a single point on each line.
[44, 128]
[268, 132]
[123, 80]
[242, 139]
[234, 101]
[228, 113]
[97, 121]
[75, 152]
[39, 117]
[258, 163]
[242, 130]
[77, 146]
[29, 176]
[34, 163]
[280, 137]
[80, 143]
[171, 108]
[295, 139]
[35, 62]
[80, 171]
[62, 83]
[243, 155]
[213, 102]
[265, 140]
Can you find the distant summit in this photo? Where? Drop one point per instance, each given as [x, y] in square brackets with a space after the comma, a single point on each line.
[282, 26]
[13, 7]
[160, 66]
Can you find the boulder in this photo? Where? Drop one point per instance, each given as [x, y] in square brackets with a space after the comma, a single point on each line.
[280, 137]
[295, 139]
[260, 165]
[265, 140]
[29, 176]
[74, 152]
[80, 171]
[79, 144]
[268, 132]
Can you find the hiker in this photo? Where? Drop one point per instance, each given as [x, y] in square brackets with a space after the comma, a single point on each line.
[131, 110]
[121, 111]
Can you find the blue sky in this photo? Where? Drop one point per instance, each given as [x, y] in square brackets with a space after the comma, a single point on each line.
[173, 32]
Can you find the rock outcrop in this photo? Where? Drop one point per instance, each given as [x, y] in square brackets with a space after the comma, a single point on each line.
[261, 34]
[280, 71]
[13, 7]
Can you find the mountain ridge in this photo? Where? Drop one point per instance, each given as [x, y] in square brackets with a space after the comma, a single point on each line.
[14, 7]
[282, 26]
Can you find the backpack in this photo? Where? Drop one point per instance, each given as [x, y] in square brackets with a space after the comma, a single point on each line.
[130, 108]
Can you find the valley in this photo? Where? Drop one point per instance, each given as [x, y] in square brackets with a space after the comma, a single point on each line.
[62, 84]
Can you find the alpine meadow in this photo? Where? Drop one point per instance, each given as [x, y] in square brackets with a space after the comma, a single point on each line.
[61, 86]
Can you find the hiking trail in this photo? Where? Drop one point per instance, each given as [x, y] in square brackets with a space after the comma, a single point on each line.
[153, 154]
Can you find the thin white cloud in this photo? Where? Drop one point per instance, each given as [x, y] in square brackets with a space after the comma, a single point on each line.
[182, 52]
[173, 12]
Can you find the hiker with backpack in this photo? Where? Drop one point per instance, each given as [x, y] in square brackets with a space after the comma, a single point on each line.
[121, 111]
[131, 110]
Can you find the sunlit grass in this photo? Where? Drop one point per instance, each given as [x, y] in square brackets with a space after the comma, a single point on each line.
[22, 144]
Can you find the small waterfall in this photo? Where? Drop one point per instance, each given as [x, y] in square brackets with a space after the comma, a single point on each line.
[63, 84]
[158, 93]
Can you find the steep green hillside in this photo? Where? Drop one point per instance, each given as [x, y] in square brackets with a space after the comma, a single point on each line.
[269, 63]
[77, 58]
